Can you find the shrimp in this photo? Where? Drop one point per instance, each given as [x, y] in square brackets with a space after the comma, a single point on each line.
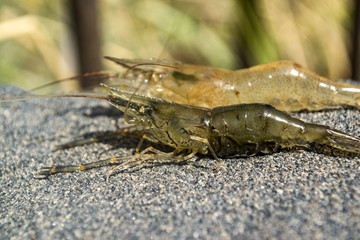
[285, 85]
[222, 132]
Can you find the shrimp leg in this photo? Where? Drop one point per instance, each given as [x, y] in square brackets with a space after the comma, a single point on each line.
[46, 171]
[149, 154]
[129, 131]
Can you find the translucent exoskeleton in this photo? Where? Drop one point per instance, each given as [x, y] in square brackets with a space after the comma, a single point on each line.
[285, 85]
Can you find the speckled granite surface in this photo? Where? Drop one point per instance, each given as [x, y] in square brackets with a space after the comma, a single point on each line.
[284, 195]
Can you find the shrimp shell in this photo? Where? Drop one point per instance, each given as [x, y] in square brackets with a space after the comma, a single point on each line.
[228, 131]
[285, 85]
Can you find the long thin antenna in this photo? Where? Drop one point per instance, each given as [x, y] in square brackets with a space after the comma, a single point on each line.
[105, 75]
[106, 97]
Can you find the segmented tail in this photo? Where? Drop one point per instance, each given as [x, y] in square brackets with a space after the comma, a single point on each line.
[332, 137]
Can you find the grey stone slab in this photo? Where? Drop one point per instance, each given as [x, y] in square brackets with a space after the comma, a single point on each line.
[294, 195]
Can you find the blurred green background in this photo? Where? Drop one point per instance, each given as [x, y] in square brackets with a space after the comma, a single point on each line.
[37, 45]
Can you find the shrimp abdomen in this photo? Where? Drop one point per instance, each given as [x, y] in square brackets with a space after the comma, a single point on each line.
[291, 87]
[248, 129]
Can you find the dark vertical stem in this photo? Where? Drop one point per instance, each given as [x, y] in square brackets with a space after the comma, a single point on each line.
[356, 43]
[242, 25]
[85, 24]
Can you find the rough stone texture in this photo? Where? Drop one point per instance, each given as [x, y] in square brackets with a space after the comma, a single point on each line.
[284, 195]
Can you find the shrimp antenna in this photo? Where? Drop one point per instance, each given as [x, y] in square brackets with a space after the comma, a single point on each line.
[129, 67]
[104, 97]
[104, 75]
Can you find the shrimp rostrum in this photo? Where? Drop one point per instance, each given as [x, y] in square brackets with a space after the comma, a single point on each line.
[223, 132]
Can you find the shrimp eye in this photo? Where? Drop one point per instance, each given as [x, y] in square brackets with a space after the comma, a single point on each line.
[147, 110]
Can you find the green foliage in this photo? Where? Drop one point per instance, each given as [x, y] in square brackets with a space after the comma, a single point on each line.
[37, 46]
